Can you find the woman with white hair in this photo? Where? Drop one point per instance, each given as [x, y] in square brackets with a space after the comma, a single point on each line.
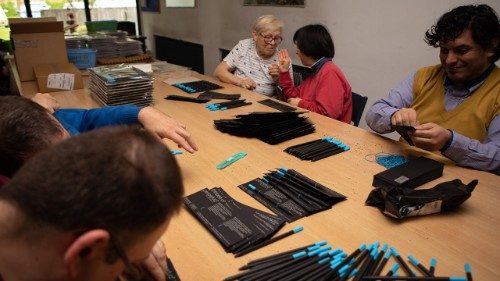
[253, 63]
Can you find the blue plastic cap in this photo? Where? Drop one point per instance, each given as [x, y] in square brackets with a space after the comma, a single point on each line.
[384, 248]
[312, 248]
[413, 260]
[299, 255]
[325, 260]
[334, 263]
[353, 273]
[433, 262]
[320, 243]
[317, 251]
[252, 186]
[458, 278]
[395, 267]
[343, 269]
[285, 169]
[394, 252]
[467, 267]
[323, 253]
[362, 247]
[335, 251]
[298, 229]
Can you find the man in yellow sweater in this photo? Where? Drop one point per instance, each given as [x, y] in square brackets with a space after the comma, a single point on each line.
[454, 106]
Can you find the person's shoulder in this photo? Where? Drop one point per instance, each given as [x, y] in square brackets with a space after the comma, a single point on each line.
[245, 42]
[432, 69]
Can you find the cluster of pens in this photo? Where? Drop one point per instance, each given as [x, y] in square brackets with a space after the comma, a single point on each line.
[317, 149]
[238, 227]
[290, 194]
[227, 105]
[197, 86]
[319, 262]
[270, 127]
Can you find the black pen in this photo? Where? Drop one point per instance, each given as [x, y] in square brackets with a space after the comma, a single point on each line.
[432, 268]
[468, 272]
[418, 265]
[415, 278]
[267, 242]
[383, 263]
[402, 262]
[256, 262]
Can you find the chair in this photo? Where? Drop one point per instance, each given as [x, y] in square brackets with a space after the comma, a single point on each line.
[300, 73]
[223, 53]
[358, 106]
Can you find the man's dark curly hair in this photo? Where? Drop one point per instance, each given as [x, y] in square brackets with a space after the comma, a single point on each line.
[482, 20]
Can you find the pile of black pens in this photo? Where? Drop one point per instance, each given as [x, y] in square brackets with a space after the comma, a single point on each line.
[227, 105]
[319, 262]
[270, 127]
[290, 194]
[317, 149]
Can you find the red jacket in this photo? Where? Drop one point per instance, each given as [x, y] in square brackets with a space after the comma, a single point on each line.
[327, 92]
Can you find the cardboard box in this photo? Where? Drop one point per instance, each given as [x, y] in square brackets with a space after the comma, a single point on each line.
[37, 41]
[58, 77]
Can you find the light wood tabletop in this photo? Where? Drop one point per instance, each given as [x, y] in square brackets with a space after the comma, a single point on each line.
[468, 234]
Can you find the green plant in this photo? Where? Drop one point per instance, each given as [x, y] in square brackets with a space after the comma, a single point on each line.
[55, 4]
[9, 9]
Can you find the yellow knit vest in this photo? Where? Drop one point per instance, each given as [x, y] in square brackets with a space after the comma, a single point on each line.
[470, 118]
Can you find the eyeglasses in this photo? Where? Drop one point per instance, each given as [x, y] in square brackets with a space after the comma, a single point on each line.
[132, 271]
[269, 38]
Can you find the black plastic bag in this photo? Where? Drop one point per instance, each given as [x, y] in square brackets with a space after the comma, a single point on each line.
[404, 202]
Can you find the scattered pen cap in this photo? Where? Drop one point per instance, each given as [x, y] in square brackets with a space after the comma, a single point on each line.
[231, 160]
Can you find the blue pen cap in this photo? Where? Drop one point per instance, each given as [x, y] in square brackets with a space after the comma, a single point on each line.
[322, 249]
[298, 229]
[433, 262]
[299, 255]
[467, 267]
[457, 278]
[354, 272]
[395, 267]
[394, 252]
[312, 248]
[362, 247]
[325, 260]
[413, 260]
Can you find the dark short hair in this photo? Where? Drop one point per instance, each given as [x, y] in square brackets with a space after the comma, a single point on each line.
[120, 179]
[482, 21]
[314, 41]
[26, 128]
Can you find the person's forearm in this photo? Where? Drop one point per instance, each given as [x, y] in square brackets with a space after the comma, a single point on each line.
[471, 153]
[378, 118]
[286, 84]
[227, 77]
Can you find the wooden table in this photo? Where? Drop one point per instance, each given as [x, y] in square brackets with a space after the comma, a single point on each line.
[469, 234]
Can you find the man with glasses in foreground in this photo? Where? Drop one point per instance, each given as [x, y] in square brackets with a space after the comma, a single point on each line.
[253, 63]
[88, 208]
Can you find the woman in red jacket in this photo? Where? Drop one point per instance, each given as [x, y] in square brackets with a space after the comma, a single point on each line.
[327, 91]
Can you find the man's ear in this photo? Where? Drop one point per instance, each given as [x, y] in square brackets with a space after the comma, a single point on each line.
[493, 47]
[89, 245]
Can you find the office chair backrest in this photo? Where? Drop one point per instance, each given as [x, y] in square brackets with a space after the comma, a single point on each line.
[358, 106]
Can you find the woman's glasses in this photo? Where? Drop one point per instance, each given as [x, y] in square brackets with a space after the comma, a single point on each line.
[269, 39]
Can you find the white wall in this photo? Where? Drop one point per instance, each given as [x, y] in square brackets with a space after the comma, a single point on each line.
[377, 43]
